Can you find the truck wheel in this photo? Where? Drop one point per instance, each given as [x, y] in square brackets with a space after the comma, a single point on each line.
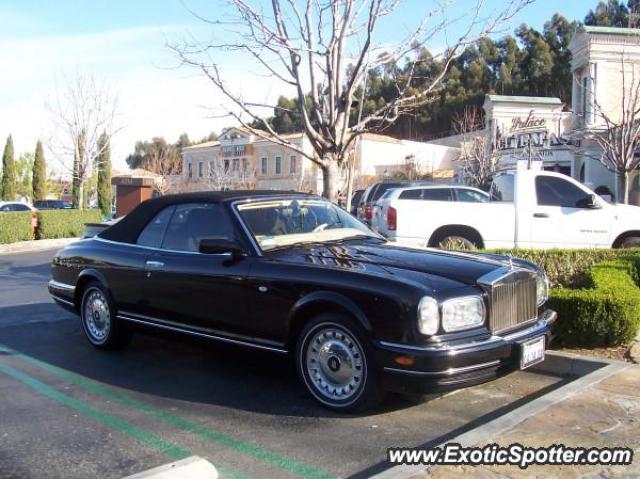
[336, 363]
[455, 242]
[631, 242]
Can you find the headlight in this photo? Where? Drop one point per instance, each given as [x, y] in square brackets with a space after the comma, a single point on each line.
[542, 288]
[462, 313]
[428, 316]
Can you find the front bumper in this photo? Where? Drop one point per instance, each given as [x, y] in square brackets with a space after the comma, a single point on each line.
[449, 366]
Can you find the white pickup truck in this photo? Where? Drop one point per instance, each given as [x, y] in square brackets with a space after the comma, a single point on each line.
[527, 209]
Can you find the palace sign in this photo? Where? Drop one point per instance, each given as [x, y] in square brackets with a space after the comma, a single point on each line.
[529, 123]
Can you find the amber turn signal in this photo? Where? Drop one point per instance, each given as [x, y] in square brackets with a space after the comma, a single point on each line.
[404, 361]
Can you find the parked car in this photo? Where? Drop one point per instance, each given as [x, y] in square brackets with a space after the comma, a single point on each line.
[355, 201]
[373, 193]
[51, 204]
[292, 273]
[7, 206]
[412, 204]
[528, 208]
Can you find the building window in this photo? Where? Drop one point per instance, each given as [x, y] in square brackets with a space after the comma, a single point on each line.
[227, 150]
[292, 164]
[190, 168]
[263, 165]
[278, 165]
[236, 164]
[200, 169]
[211, 167]
[226, 166]
[239, 150]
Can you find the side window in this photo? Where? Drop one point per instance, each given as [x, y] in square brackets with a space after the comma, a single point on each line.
[153, 233]
[471, 196]
[411, 195]
[502, 188]
[6, 208]
[552, 191]
[193, 222]
[437, 194]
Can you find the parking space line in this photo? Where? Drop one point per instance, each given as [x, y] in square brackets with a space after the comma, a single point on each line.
[166, 447]
[262, 454]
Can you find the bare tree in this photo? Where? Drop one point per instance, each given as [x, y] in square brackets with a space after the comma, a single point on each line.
[322, 50]
[82, 111]
[161, 162]
[616, 126]
[218, 175]
[478, 156]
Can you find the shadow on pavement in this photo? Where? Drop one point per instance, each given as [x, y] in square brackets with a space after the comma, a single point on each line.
[174, 367]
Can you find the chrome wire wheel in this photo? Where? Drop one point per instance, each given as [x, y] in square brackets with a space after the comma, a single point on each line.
[96, 315]
[335, 364]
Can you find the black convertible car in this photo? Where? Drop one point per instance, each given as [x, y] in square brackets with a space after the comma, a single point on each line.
[293, 273]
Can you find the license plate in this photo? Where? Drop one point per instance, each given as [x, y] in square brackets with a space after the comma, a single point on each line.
[532, 352]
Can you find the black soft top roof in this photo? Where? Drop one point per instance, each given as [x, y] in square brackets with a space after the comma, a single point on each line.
[128, 229]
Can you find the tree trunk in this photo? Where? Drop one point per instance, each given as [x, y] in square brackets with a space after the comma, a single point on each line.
[623, 195]
[80, 201]
[329, 179]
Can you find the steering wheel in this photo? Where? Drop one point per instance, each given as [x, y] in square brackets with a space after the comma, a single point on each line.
[319, 228]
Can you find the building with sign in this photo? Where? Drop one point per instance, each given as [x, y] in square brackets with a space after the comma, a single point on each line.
[547, 130]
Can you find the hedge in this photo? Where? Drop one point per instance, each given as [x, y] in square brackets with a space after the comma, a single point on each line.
[64, 223]
[567, 268]
[15, 226]
[607, 312]
[595, 292]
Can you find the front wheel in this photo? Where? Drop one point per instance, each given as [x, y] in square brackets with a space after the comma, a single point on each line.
[335, 362]
[98, 316]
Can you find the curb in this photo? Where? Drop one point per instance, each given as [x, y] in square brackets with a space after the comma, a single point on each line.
[590, 371]
[193, 467]
[35, 245]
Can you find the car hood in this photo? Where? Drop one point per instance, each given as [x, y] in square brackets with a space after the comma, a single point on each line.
[389, 258]
[627, 212]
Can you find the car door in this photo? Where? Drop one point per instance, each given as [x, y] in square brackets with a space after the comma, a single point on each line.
[562, 217]
[200, 291]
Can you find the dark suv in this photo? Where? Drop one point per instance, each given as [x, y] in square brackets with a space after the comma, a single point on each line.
[51, 205]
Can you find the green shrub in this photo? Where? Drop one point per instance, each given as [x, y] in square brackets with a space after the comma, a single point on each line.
[607, 311]
[567, 268]
[15, 226]
[64, 223]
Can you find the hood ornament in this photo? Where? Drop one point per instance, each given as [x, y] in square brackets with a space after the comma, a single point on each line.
[510, 260]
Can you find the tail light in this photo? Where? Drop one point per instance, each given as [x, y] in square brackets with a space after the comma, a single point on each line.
[367, 212]
[392, 218]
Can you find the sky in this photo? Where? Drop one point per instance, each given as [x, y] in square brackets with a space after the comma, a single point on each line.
[122, 44]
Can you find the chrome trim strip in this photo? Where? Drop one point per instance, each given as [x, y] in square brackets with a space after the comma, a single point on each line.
[151, 248]
[548, 318]
[64, 301]
[62, 286]
[446, 372]
[200, 334]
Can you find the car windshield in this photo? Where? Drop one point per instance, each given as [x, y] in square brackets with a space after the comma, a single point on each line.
[279, 223]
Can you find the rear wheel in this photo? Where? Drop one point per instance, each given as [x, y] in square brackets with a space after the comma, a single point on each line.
[99, 321]
[631, 242]
[456, 242]
[336, 364]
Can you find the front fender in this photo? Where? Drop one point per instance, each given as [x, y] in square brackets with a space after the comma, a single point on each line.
[320, 299]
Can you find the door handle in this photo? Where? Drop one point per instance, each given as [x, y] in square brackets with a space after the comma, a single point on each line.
[155, 264]
[541, 215]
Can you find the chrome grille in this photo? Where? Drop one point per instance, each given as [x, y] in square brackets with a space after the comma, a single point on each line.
[512, 297]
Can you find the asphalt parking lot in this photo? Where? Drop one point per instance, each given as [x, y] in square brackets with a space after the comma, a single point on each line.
[68, 410]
